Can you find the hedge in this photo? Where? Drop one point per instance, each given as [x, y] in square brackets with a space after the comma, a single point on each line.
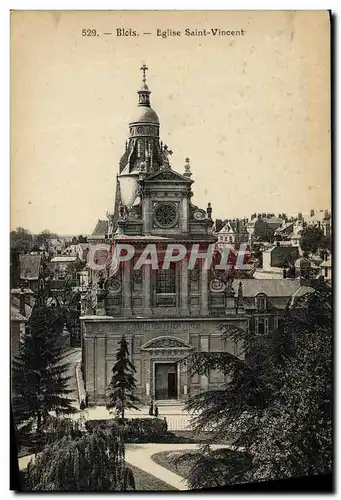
[135, 430]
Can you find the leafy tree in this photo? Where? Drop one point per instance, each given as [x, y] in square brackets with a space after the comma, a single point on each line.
[122, 384]
[90, 462]
[44, 238]
[276, 405]
[214, 468]
[82, 239]
[14, 268]
[68, 301]
[312, 239]
[39, 380]
[21, 239]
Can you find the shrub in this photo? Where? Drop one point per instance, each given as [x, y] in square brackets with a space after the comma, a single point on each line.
[135, 430]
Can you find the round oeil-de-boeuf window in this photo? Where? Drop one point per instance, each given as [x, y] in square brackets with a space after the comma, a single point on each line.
[165, 215]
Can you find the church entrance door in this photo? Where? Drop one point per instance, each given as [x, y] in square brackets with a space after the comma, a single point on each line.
[166, 381]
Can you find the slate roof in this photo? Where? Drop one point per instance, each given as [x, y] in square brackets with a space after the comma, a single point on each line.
[101, 228]
[15, 304]
[29, 266]
[327, 263]
[232, 226]
[270, 287]
[16, 316]
[63, 258]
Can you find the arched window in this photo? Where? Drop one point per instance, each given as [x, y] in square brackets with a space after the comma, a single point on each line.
[261, 302]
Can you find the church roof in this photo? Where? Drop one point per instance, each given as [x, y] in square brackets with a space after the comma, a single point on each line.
[145, 114]
[270, 287]
[101, 228]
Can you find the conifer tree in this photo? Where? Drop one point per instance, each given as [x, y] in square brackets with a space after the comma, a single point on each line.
[120, 393]
[39, 380]
[276, 405]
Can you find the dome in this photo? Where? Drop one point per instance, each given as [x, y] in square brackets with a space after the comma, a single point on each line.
[302, 263]
[145, 114]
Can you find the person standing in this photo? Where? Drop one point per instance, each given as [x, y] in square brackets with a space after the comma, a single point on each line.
[151, 409]
[156, 411]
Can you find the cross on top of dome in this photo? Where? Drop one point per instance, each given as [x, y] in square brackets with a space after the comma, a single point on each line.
[144, 91]
[143, 69]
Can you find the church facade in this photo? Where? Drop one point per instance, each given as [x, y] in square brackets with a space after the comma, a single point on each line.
[167, 311]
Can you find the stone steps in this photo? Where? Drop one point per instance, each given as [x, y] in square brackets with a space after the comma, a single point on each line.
[169, 402]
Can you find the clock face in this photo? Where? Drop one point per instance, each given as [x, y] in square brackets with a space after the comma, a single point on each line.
[166, 215]
[199, 215]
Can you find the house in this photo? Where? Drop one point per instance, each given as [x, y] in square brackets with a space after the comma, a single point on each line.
[62, 265]
[326, 267]
[82, 251]
[319, 218]
[56, 246]
[31, 270]
[71, 250]
[265, 300]
[285, 230]
[233, 232]
[262, 227]
[21, 305]
[296, 234]
[279, 256]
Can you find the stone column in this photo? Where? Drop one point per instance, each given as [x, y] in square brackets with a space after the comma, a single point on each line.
[184, 215]
[204, 291]
[184, 288]
[146, 289]
[230, 306]
[147, 215]
[184, 376]
[126, 289]
[89, 368]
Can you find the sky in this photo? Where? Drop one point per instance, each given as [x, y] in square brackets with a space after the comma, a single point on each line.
[251, 112]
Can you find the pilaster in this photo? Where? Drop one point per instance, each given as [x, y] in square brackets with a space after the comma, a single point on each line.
[126, 288]
[204, 291]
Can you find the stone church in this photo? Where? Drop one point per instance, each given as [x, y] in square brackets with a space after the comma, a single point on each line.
[165, 314]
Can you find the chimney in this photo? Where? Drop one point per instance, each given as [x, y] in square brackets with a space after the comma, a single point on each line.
[299, 216]
[312, 212]
[326, 214]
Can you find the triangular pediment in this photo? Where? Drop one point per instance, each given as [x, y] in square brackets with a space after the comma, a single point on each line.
[167, 175]
[166, 342]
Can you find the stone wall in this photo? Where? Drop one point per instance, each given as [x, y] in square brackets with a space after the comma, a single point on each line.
[102, 334]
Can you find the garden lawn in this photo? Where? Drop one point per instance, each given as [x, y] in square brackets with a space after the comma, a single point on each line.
[147, 482]
[164, 458]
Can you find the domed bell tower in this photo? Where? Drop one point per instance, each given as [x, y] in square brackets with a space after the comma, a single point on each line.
[143, 150]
